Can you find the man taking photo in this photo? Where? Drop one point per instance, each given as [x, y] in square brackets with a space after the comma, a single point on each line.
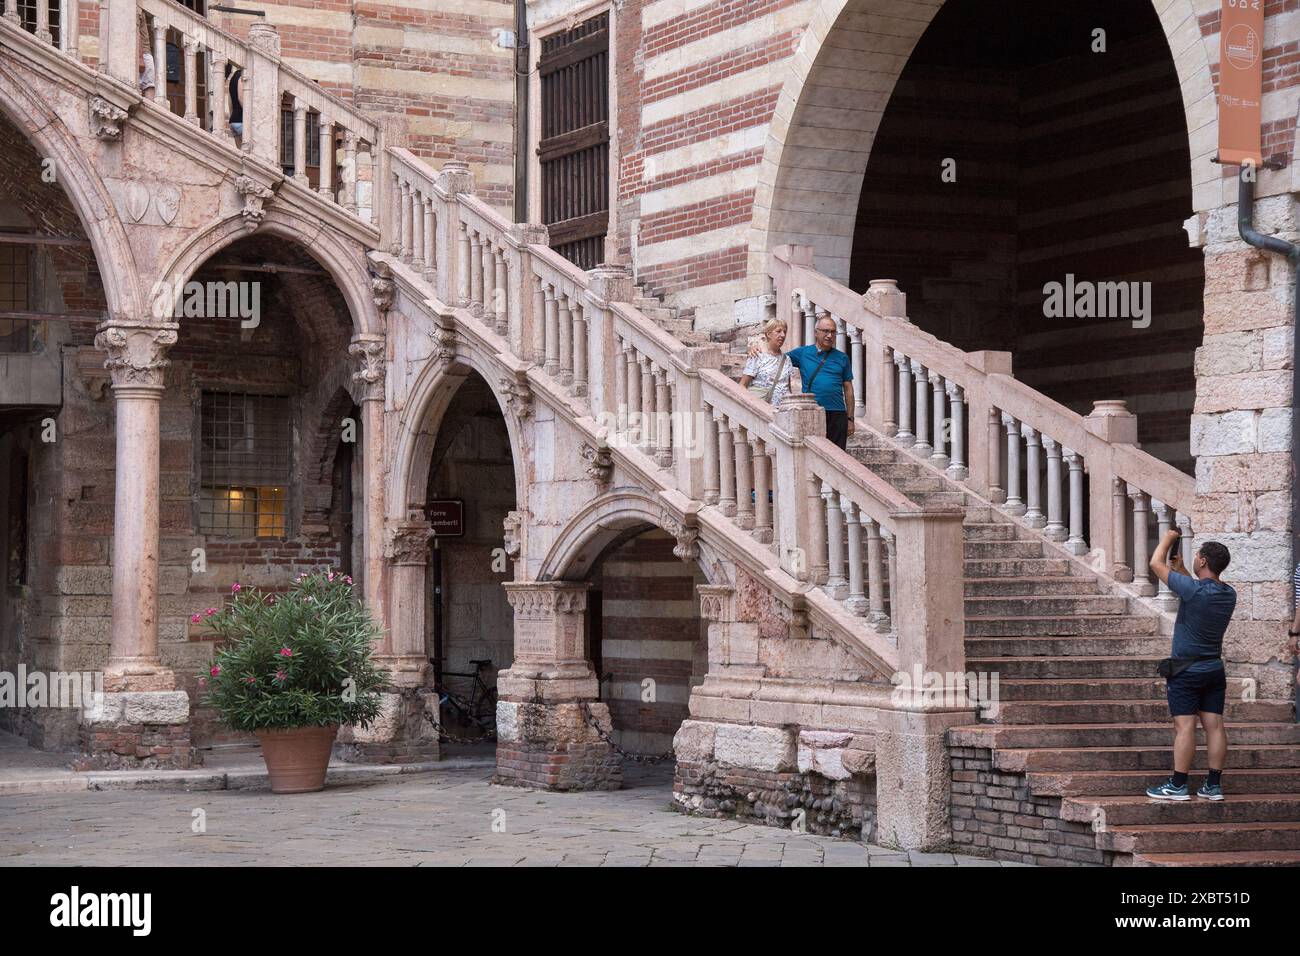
[1197, 683]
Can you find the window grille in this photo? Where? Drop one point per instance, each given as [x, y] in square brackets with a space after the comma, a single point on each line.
[15, 296]
[245, 467]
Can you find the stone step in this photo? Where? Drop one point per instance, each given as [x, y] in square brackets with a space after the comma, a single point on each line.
[1104, 688]
[1037, 668]
[1232, 858]
[1102, 645]
[1089, 625]
[1002, 550]
[1121, 782]
[982, 514]
[1152, 734]
[988, 531]
[1026, 605]
[1201, 837]
[940, 499]
[1152, 759]
[1126, 711]
[1132, 810]
[1029, 586]
[1018, 568]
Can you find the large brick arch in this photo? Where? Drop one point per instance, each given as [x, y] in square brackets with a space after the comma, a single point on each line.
[75, 171]
[837, 88]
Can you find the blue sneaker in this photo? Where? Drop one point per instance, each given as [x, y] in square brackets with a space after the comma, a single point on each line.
[1208, 792]
[1167, 791]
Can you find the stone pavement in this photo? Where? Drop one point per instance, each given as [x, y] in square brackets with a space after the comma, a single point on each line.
[441, 818]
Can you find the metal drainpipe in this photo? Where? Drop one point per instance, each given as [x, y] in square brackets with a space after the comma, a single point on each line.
[1246, 226]
[521, 110]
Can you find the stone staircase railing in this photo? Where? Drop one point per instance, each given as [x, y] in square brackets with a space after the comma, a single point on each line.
[345, 135]
[967, 415]
[870, 565]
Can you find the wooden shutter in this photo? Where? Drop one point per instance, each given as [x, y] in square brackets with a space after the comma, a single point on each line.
[574, 147]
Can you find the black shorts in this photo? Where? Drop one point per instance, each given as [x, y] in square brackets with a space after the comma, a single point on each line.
[837, 427]
[1191, 693]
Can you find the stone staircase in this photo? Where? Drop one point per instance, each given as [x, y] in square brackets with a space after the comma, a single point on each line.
[1082, 726]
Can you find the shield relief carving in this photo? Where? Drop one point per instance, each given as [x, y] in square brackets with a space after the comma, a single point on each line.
[137, 201]
[168, 202]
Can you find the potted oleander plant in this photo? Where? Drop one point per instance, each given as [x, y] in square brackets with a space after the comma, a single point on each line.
[292, 667]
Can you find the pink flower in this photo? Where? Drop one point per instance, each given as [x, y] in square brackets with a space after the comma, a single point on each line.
[286, 652]
[331, 576]
[250, 680]
[195, 618]
[209, 612]
[280, 675]
[348, 578]
[203, 682]
[235, 588]
[215, 671]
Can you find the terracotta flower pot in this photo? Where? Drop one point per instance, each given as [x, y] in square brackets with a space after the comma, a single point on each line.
[296, 759]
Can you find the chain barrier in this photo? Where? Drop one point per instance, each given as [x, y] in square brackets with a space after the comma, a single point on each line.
[489, 734]
[651, 759]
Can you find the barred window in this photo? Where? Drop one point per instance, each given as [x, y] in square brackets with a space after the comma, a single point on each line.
[27, 14]
[14, 297]
[245, 466]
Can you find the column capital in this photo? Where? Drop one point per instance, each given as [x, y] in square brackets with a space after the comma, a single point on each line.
[407, 542]
[136, 351]
[368, 355]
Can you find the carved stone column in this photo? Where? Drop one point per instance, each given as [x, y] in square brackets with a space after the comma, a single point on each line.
[369, 355]
[136, 363]
[143, 720]
[551, 732]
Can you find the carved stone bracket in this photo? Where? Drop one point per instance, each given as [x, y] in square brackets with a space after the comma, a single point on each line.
[543, 600]
[519, 397]
[368, 355]
[445, 336]
[687, 535]
[600, 464]
[514, 524]
[407, 542]
[382, 286]
[136, 351]
[716, 602]
[106, 119]
[256, 195]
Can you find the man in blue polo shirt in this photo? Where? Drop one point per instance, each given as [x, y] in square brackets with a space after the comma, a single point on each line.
[827, 374]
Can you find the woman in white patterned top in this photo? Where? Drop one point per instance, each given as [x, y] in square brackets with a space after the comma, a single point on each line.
[767, 374]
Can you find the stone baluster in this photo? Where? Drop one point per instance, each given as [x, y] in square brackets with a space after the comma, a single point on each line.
[726, 469]
[42, 20]
[580, 348]
[539, 344]
[1015, 504]
[744, 477]
[1034, 509]
[564, 324]
[217, 94]
[939, 456]
[413, 200]
[836, 583]
[1184, 525]
[957, 469]
[405, 225]
[771, 487]
[1075, 543]
[486, 261]
[856, 603]
[904, 436]
[891, 582]
[326, 187]
[1120, 570]
[1054, 529]
[711, 462]
[430, 237]
[478, 282]
[160, 66]
[649, 411]
[502, 293]
[1141, 555]
[993, 428]
[11, 12]
[663, 420]
[841, 336]
[191, 53]
[635, 420]
[464, 270]
[762, 487]
[620, 385]
[859, 373]
[300, 148]
[809, 313]
[817, 563]
[889, 413]
[921, 376]
[1165, 598]
[349, 176]
[552, 307]
[875, 576]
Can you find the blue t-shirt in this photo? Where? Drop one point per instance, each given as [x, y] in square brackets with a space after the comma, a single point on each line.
[828, 386]
[1203, 615]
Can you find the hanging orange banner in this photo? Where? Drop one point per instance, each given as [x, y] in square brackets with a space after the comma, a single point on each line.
[1241, 81]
